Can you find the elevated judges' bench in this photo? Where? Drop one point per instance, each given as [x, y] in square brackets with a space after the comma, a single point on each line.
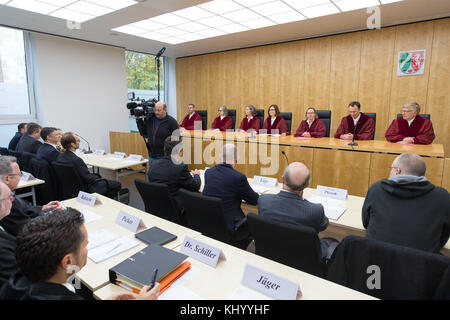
[331, 161]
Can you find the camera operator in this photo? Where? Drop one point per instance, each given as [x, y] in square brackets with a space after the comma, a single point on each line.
[156, 128]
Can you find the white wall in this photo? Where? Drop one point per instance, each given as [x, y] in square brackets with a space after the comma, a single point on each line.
[80, 87]
[171, 87]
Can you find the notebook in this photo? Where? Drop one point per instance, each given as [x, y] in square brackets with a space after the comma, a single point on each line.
[155, 235]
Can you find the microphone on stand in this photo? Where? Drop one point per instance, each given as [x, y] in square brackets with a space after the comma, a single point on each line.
[284, 154]
[353, 143]
[89, 147]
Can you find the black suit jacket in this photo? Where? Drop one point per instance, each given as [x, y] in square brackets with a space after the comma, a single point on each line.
[175, 176]
[223, 182]
[8, 265]
[81, 167]
[47, 152]
[21, 213]
[28, 144]
[14, 141]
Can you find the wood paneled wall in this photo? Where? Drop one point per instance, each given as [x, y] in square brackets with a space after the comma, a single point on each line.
[326, 73]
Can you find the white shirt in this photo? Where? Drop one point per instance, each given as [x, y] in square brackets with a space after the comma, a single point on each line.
[221, 117]
[410, 121]
[249, 118]
[190, 116]
[69, 287]
[355, 121]
[309, 123]
[273, 120]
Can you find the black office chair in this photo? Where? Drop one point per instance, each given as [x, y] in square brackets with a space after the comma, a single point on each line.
[374, 117]
[204, 115]
[157, 200]
[4, 151]
[288, 117]
[325, 116]
[49, 190]
[26, 161]
[260, 115]
[205, 214]
[232, 115]
[18, 156]
[293, 245]
[423, 115]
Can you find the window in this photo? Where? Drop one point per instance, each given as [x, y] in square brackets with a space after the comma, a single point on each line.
[142, 78]
[16, 95]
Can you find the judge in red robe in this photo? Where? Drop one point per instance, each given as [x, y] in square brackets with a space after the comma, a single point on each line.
[356, 123]
[275, 123]
[411, 128]
[250, 122]
[191, 118]
[311, 127]
[223, 122]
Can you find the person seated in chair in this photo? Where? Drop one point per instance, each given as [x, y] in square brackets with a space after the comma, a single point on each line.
[191, 118]
[311, 127]
[70, 142]
[289, 206]
[355, 126]
[171, 171]
[251, 121]
[224, 182]
[49, 150]
[275, 123]
[223, 122]
[29, 142]
[21, 129]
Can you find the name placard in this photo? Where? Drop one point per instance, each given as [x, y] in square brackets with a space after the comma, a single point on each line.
[119, 155]
[129, 221]
[265, 181]
[26, 176]
[135, 157]
[201, 251]
[99, 152]
[335, 193]
[270, 284]
[87, 198]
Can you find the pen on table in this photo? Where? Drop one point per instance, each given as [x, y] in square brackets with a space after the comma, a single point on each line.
[155, 273]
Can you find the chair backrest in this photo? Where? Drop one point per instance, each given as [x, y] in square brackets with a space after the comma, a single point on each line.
[293, 245]
[423, 115]
[68, 180]
[232, 115]
[18, 156]
[260, 115]
[26, 161]
[4, 151]
[49, 190]
[205, 214]
[288, 117]
[374, 117]
[325, 116]
[204, 115]
[157, 200]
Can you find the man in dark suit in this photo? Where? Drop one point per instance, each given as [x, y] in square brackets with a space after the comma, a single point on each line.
[21, 211]
[171, 171]
[49, 150]
[223, 181]
[49, 250]
[21, 129]
[288, 206]
[29, 142]
[70, 142]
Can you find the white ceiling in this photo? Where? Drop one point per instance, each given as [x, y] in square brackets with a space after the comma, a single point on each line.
[99, 29]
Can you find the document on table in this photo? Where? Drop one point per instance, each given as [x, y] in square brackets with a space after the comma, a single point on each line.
[90, 216]
[244, 293]
[259, 188]
[332, 207]
[104, 245]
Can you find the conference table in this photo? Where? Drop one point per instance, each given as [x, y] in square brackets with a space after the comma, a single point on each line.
[201, 281]
[29, 183]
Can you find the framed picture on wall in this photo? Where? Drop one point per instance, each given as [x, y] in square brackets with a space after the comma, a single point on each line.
[411, 63]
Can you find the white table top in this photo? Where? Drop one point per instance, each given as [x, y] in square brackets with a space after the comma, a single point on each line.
[108, 161]
[29, 183]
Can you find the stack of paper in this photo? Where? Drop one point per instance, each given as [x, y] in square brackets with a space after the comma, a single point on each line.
[90, 216]
[332, 207]
[104, 245]
[259, 188]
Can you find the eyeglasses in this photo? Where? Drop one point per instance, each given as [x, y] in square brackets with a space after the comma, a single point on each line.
[16, 174]
[407, 111]
[393, 167]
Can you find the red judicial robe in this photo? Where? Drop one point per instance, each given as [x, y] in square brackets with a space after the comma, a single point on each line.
[279, 124]
[223, 125]
[317, 129]
[188, 124]
[364, 127]
[246, 124]
[421, 130]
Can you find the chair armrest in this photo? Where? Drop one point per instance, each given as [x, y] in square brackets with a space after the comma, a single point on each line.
[240, 223]
[102, 179]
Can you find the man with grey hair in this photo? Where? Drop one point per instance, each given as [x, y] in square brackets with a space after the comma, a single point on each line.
[407, 209]
[21, 211]
[289, 206]
[224, 182]
[411, 128]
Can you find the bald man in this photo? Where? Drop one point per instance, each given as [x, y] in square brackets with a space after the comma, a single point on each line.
[156, 128]
[289, 206]
[407, 209]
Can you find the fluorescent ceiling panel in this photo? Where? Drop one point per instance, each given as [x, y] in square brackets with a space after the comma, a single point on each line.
[215, 21]
[114, 4]
[251, 3]
[192, 26]
[168, 19]
[233, 28]
[271, 8]
[211, 33]
[71, 15]
[221, 6]
[171, 40]
[152, 35]
[389, 1]
[348, 5]
[129, 29]
[58, 3]
[147, 25]
[193, 13]
[287, 17]
[33, 6]
[89, 8]
[171, 31]
[323, 10]
[300, 4]
[241, 15]
[190, 37]
[258, 23]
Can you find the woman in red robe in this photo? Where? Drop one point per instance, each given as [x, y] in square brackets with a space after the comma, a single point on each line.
[312, 127]
[250, 122]
[223, 121]
[275, 123]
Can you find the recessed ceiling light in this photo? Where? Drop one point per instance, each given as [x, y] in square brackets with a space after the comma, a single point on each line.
[389, 1]
[4, 1]
[271, 8]
[348, 5]
[129, 29]
[58, 3]
[168, 19]
[241, 15]
[190, 37]
[89, 8]
[286, 17]
[33, 6]
[171, 31]
[300, 4]
[258, 23]
[232, 28]
[192, 26]
[323, 10]
[152, 35]
[193, 13]
[221, 6]
[147, 25]
[211, 33]
[114, 4]
[172, 40]
[215, 21]
[250, 3]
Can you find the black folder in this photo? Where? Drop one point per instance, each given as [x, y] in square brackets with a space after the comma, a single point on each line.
[138, 269]
[155, 235]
